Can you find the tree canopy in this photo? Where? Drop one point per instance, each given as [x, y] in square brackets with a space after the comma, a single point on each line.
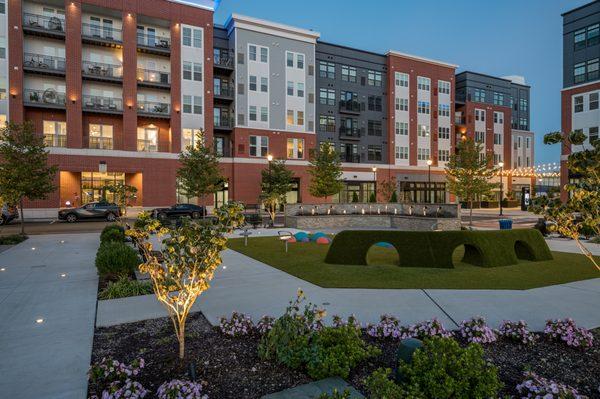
[326, 172]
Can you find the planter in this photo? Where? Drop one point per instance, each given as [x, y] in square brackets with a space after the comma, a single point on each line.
[490, 204]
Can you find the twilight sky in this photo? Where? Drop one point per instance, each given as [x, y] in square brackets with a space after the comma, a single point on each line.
[508, 37]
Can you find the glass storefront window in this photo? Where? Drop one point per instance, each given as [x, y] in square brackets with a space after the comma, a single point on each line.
[92, 185]
[360, 191]
[417, 192]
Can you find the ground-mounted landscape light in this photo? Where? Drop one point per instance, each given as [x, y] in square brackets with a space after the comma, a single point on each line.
[39, 321]
[2, 269]
[62, 241]
[63, 275]
[245, 233]
[33, 248]
[285, 236]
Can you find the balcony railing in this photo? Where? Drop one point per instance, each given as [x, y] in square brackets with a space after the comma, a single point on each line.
[354, 158]
[350, 132]
[327, 128]
[150, 76]
[101, 70]
[223, 122]
[43, 62]
[459, 120]
[101, 103]
[350, 106]
[101, 32]
[49, 97]
[42, 22]
[55, 140]
[147, 145]
[153, 41]
[153, 108]
[224, 91]
[224, 59]
[101, 143]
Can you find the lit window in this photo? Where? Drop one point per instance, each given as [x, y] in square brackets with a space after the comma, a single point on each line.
[295, 148]
[101, 137]
[55, 134]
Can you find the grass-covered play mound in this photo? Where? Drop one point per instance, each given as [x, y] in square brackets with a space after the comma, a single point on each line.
[435, 248]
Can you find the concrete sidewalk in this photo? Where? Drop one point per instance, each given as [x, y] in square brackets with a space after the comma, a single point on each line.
[56, 282]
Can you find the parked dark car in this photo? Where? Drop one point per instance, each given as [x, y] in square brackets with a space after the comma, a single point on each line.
[94, 210]
[179, 210]
[9, 213]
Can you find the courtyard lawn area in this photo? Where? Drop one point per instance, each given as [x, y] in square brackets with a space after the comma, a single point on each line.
[306, 261]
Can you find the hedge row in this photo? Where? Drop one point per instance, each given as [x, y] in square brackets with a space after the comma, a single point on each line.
[112, 232]
[435, 248]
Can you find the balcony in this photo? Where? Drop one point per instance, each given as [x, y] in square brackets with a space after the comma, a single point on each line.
[350, 133]
[41, 25]
[147, 145]
[48, 98]
[101, 72]
[154, 79]
[154, 109]
[353, 158]
[224, 92]
[327, 128]
[224, 123]
[55, 140]
[101, 35]
[103, 105]
[101, 143]
[154, 45]
[224, 60]
[459, 120]
[44, 64]
[351, 107]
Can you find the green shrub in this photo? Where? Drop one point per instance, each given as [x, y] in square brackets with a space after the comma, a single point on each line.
[334, 351]
[595, 240]
[380, 386]
[336, 394]
[112, 232]
[372, 198]
[125, 287]
[115, 259]
[441, 369]
[12, 239]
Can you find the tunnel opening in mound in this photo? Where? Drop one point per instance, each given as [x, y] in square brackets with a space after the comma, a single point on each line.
[467, 253]
[524, 251]
[382, 253]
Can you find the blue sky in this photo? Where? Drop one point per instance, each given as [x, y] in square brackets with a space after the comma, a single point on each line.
[508, 37]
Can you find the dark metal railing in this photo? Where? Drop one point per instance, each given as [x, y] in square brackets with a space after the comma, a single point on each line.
[151, 76]
[224, 59]
[101, 32]
[350, 131]
[102, 103]
[354, 158]
[350, 106]
[154, 108]
[223, 121]
[101, 143]
[36, 21]
[153, 41]
[46, 97]
[147, 145]
[39, 61]
[225, 90]
[102, 70]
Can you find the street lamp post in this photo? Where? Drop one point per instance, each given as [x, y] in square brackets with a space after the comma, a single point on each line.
[429, 163]
[270, 159]
[375, 182]
[501, 164]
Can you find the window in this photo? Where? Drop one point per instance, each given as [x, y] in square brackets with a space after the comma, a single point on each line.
[187, 70]
[197, 105]
[443, 155]
[579, 72]
[198, 38]
[300, 90]
[498, 98]
[523, 104]
[578, 101]
[197, 72]
[219, 146]
[444, 110]
[192, 104]
[264, 114]
[423, 107]
[290, 117]
[300, 61]
[519, 142]
[443, 87]
[101, 136]
[327, 96]
[402, 104]
[480, 115]
[326, 70]
[593, 101]
[523, 124]
[2, 6]
[252, 83]
[592, 69]
[348, 74]
[498, 117]
[479, 137]
[479, 95]
[593, 134]
[290, 88]
[375, 103]
[423, 130]
[374, 128]
[519, 161]
[423, 83]
[191, 138]
[327, 123]
[252, 112]
[290, 59]
[259, 146]
[55, 134]
[443, 133]
[252, 53]
[374, 153]
[402, 128]
[401, 152]
[579, 39]
[401, 79]
[187, 104]
[147, 139]
[264, 84]
[497, 138]
[423, 154]
[373, 78]
[3, 48]
[300, 118]
[295, 148]
[264, 54]
[527, 142]
[187, 36]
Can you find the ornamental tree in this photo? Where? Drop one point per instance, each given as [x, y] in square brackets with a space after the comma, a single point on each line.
[24, 169]
[325, 169]
[468, 174]
[580, 214]
[276, 183]
[388, 190]
[199, 174]
[183, 267]
[123, 194]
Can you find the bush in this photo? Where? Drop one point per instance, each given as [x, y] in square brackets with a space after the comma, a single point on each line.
[475, 330]
[112, 232]
[517, 331]
[12, 239]
[237, 325]
[125, 287]
[567, 331]
[442, 369]
[380, 386]
[595, 240]
[115, 259]
[535, 386]
[180, 389]
[334, 351]
[345, 394]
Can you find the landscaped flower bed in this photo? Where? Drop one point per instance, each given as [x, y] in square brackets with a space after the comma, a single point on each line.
[230, 367]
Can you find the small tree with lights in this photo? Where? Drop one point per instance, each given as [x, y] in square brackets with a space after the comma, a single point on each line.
[468, 174]
[325, 170]
[123, 194]
[182, 269]
[388, 190]
[580, 214]
[276, 183]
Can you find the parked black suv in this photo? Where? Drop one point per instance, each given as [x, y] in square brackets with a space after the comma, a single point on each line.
[179, 210]
[9, 213]
[93, 210]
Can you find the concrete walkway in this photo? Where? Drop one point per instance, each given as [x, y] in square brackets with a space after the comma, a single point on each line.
[246, 285]
[54, 283]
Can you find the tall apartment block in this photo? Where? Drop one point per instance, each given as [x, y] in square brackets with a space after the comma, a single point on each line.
[118, 89]
[581, 79]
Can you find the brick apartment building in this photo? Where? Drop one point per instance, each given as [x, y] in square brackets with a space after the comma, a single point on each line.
[119, 89]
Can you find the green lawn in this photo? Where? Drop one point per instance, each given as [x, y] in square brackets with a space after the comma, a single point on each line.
[305, 260]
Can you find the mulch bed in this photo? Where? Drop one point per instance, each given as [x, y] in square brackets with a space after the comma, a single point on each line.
[231, 368]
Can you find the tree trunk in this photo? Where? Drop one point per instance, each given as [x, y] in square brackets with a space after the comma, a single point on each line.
[22, 217]
[471, 213]
[181, 339]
